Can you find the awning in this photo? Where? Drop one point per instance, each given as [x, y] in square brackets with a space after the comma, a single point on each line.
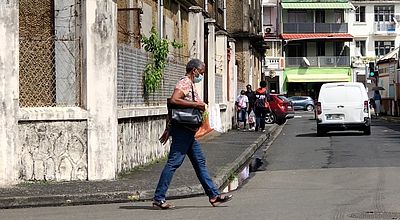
[317, 5]
[296, 75]
[324, 36]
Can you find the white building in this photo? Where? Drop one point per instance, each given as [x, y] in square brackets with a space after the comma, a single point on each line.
[273, 64]
[374, 25]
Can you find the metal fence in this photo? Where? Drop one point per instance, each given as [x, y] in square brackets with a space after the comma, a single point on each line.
[130, 87]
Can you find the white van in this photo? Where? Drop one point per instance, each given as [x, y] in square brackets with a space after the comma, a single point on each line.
[343, 106]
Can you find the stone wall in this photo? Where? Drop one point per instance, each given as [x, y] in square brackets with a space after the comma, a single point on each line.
[53, 150]
[138, 141]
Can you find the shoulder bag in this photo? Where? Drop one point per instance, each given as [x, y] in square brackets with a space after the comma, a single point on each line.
[186, 116]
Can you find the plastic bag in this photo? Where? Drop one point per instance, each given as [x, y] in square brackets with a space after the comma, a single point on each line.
[252, 117]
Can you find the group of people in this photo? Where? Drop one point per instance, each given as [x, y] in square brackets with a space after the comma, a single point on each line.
[252, 107]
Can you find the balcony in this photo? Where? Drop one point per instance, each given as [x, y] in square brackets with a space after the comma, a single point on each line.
[324, 61]
[274, 63]
[385, 27]
[315, 28]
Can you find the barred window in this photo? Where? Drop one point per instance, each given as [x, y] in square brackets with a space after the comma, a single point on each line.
[50, 53]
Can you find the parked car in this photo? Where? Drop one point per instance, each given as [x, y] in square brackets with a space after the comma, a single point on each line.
[343, 106]
[302, 102]
[281, 107]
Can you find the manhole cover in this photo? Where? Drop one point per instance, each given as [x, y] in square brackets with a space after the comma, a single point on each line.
[376, 215]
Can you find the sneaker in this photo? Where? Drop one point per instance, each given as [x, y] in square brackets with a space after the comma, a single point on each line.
[263, 130]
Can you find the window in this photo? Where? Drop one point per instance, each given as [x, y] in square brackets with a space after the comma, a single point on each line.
[297, 16]
[383, 47]
[360, 14]
[220, 4]
[320, 49]
[319, 16]
[384, 13]
[339, 16]
[360, 45]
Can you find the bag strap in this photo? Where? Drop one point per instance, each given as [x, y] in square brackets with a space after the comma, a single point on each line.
[192, 93]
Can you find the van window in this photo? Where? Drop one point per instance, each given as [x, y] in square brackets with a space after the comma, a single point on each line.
[342, 94]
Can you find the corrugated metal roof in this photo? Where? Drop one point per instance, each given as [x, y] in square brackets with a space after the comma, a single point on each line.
[314, 5]
[391, 55]
[344, 36]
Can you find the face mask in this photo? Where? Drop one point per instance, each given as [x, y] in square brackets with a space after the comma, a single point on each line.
[198, 78]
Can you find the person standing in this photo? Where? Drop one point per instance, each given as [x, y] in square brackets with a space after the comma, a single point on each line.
[260, 106]
[242, 105]
[377, 99]
[251, 95]
[184, 142]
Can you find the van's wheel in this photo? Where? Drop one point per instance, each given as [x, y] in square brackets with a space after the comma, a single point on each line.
[270, 118]
[320, 131]
[310, 108]
[367, 130]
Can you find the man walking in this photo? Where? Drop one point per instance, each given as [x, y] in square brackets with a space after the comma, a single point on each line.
[260, 106]
[251, 96]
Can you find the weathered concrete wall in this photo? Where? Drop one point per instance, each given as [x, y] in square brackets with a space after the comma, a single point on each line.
[138, 141]
[54, 150]
[100, 81]
[236, 16]
[9, 70]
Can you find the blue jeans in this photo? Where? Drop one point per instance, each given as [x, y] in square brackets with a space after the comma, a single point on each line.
[260, 118]
[184, 143]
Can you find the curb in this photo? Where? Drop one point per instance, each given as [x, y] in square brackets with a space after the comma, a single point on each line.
[221, 179]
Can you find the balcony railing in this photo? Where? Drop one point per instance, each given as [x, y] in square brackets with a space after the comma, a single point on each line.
[315, 28]
[385, 26]
[324, 61]
[274, 63]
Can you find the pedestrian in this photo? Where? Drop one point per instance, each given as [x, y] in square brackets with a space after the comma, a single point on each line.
[251, 95]
[377, 99]
[242, 105]
[184, 142]
[261, 106]
[372, 104]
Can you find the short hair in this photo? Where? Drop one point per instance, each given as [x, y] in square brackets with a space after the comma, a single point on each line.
[263, 84]
[194, 63]
[248, 85]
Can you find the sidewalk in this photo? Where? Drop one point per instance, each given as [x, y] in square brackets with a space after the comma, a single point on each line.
[225, 153]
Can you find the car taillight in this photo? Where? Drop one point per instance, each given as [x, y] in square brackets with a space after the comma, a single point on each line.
[319, 109]
[366, 107]
[282, 105]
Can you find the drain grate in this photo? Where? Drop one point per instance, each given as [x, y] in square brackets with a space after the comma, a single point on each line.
[376, 215]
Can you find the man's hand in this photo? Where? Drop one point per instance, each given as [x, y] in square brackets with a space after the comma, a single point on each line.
[164, 137]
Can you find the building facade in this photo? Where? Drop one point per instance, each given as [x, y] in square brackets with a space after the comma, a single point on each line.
[316, 40]
[74, 106]
[375, 27]
[245, 27]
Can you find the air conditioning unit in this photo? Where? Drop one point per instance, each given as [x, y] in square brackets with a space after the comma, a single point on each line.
[269, 30]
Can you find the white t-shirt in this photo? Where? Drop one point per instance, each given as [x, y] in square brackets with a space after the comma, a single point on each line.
[242, 101]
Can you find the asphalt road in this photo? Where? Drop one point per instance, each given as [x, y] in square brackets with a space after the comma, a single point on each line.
[344, 175]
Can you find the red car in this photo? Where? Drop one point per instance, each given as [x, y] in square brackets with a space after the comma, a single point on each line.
[282, 109]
